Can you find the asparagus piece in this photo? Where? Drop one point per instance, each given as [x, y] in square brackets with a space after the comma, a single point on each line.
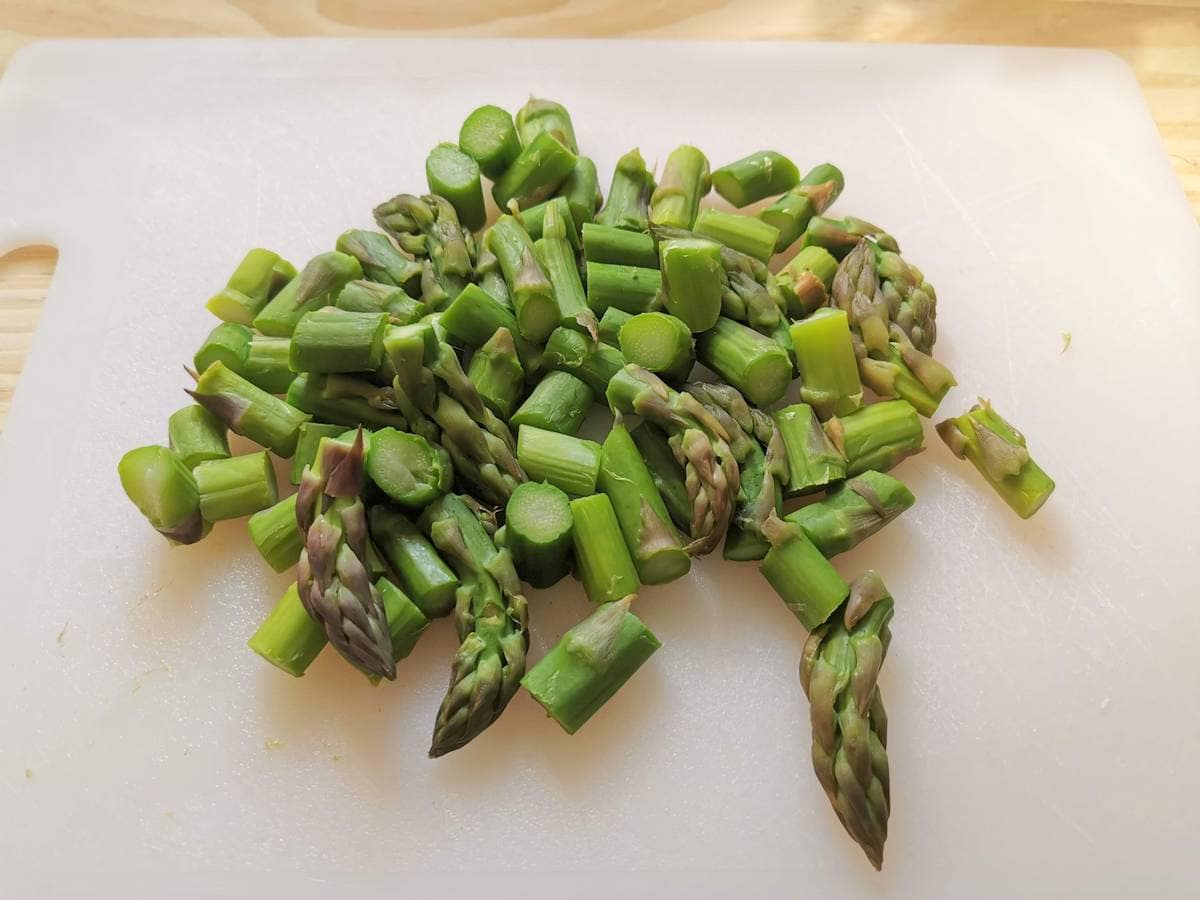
[537, 527]
[602, 560]
[792, 212]
[332, 577]
[406, 622]
[609, 328]
[857, 292]
[665, 471]
[532, 293]
[408, 468]
[998, 451]
[496, 372]
[594, 364]
[588, 665]
[474, 317]
[809, 586]
[691, 280]
[559, 402]
[267, 364]
[333, 340]
[248, 289]
[346, 400]
[569, 463]
[618, 246]
[755, 177]
[852, 511]
[628, 205]
[248, 410]
[489, 136]
[582, 192]
[381, 262]
[455, 175]
[491, 278]
[491, 619]
[533, 220]
[228, 343]
[685, 181]
[557, 258]
[877, 436]
[317, 285]
[429, 227]
[306, 445]
[195, 435]
[289, 638]
[804, 283]
[541, 166]
[658, 342]
[369, 297]
[813, 460]
[828, 367]
[276, 534]
[628, 288]
[164, 491]
[754, 364]
[653, 544]
[236, 486]
[747, 234]
[911, 299]
[698, 442]
[839, 671]
[840, 236]
[906, 373]
[538, 116]
[420, 571]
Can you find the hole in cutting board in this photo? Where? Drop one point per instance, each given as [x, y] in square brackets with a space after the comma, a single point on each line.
[25, 275]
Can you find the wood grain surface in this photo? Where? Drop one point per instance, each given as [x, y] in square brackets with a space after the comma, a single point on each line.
[1160, 39]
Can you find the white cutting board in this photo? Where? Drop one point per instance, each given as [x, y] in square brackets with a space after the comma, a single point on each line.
[1043, 677]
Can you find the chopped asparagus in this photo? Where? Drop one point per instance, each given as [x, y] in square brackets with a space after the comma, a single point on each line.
[489, 136]
[346, 400]
[474, 317]
[532, 293]
[381, 262]
[249, 288]
[746, 234]
[840, 236]
[408, 468]
[809, 586]
[533, 220]
[755, 177]
[804, 283]
[195, 435]
[289, 638]
[307, 442]
[406, 622]
[537, 527]
[496, 372]
[267, 365]
[629, 288]
[569, 463]
[691, 280]
[370, 297]
[334, 340]
[582, 192]
[559, 402]
[813, 460]
[228, 343]
[877, 436]
[276, 534]
[420, 570]
[628, 205]
[594, 364]
[754, 364]
[164, 491]
[660, 343]
[538, 116]
[609, 327]
[542, 165]
[828, 367]
[852, 512]
[248, 410]
[557, 257]
[317, 285]
[792, 212]
[602, 560]
[685, 182]
[455, 175]
[618, 246]
[428, 227]
[235, 487]
[665, 471]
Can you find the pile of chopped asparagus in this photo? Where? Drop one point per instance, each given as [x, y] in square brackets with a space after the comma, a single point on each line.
[428, 382]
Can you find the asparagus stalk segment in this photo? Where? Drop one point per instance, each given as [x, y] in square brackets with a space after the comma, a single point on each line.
[906, 373]
[370, 297]
[744, 233]
[248, 289]
[537, 527]
[164, 491]
[628, 288]
[419, 569]
[618, 246]
[852, 512]
[559, 402]
[533, 220]
[489, 136]
[658, 342]
[665, 471]
[317, 285]
[602, 559]
[541, 166]
[754, 364]
[195, 435]
[406, 622]
[334, 340]
[228, 343]
[809, 586]
[276, 534]
[792, 212]
[609, 328]
[569, 463]
[582, 192]
[455, 175]
[840, 236]
[532, 293]
[590, 663]
[813, 460]
[998, 452]
[685, 182]
[755, 177]
[289, 639]
[381, 262]
[235, 487]
[345, 400]
[429, 227]
[828, 368]
[877, 436]
[805, 282]
[408, 468]
[557, 257]
[538, 116]
[691, 280]
[594, 364]
[268, 364]
[628, 205]
[248, 410]
[496, 372]
[474, 317]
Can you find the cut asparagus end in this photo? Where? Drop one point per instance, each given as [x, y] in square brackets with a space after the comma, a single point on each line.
[317, 285]
[334, 340]
[756, 365]
[489, 136]
[828, 367]
[164, 491]
[609, 327]
[538, 527]
[659, 342]
[746, 234]
[559, 402]
[569, 463]
[595, 364]
[236, 487]
[602, 559]
[540, 116]
[805, 281]
[691, 280]
[455, 175]
[195, 435]
[276, 533]
[852, 512]
[755, 177]
[685, 182]
[809, 586]
[628, 288]
[249, 288]
[408, 468]
[289, 638]
[877, 436]
[628, 204]
[618, 246]
[228, 343]
[422, 572]
[813, 460]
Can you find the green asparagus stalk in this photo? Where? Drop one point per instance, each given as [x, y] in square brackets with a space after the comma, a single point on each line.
[345, 400]
[828, 367]
[755, 177]
[839, 671]
[792, 212]
[609, 327]
[805, 282]
[685, 182]
[489, 137]
[268, 365]
[333, 340]
[877, 436]
[537, 526]
[406, 622]
[228, 343]
[852, 511]
[813, 460]
[998, 451]
[195, 435]
[658, 342]
[409, 469]
[455, 175]
[496, 372]
[381, 262]
[532, 293]
[317, 285]
[479, 456]
[906, 373]
[569, 463]
[602, 559]
[857, 292]
[589, 664]
[164, 491]
[559, 402]
[691, 280]
[276, 534]
[429, 227]
[474, 317]
[809, 586]
[248, 410]
[665, 471]
[582, 192]
[618, 246]
[248, 289]
[538, 116]
[370, 297]
[307, 442]
[840, 236]
[754, 364]
[628, 205]
[645, 523]
[557, 258]
[491, 278]
[747, 234]
[628, 288]
[235, 487]
[911, 299]
[289, 638]
[420, 571]
[492, 621]
[542, 165]
[593, 363]
[533, 220]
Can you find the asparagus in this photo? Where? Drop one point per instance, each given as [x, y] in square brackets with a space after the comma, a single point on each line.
[334, 340]
[429, 227]
[593, 363]
[267, 364]
[877, 436]
[805, 282]
[685, 181]
[496, 372]
[418, 568]
[618, 246]
[474, 317]
[306, 445]
[164, 491]
[828, 367]
[409, 469]
[248, 410]
[813, 460]
[557, 258]
[539, 116]
[808, 585]
[532, 293]
[665, 471]
[195, 435]
[658, 342]
[491, 278]
[602, 560]
[588, 665]
[537, 527]
[406, 622]
[381, 262]
[608, 329]
[857, 292]
[235, 487]
[582, 192]
[541, 166]
[792, 212]
[332, 577]
[289, 638]
[754, 364]
[276, 534]
[559, 402]
[910, 298]
[533, 220]
[317, 285]
[747, 234]
[370, 297]
[628, 288]
[998, 451]
[852, 511]
[840, 236]
[492, 623]
[248, 289]
[228, 343]
[489, 136]
[628, 205]
[906, 373]
[569, 463]
[691, 280]
[839, 671]
[755, 177]
[645, 523]
[346, 400]
[455, 175]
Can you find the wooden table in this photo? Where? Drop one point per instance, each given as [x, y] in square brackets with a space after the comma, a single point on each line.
[1160, 39]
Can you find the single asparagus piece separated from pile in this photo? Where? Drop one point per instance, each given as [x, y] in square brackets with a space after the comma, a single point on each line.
[755, 177]
[248, 410]
[813, 460]
[628, 205]
[685, 182]
[852, 512]
[164, 491]
[792, 212]
[877, 436]
[537, 532]
[317, 285]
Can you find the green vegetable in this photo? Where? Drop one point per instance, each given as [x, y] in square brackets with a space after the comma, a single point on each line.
[685, 182]
[346, 400]
[665, 471]
[369, 297]
[804, 283]
[334, 340]
[420, 570]
[569, 463]
[408, 468]
[809, 586]
[828, 367]
[289, 638]
[660, 343]
[602, 560]
[164, 491]
[877, 436]
[542, 165]
[840, 236]
[539, 116]
[489, 136]
[228, 343]
[235, 487]
[532, 293]
[745, 233]
[559, 402]
[628, 205]
[557, 258]
[306, 445]
[276, 534]
[609, 327]
[248, 410]
[248, 290]
[754, 177]
[594, 364]
[618, 246]
[474, 317]
[429, 227]
[813, 460]
[496, 372]
[267, 364]
[792, 212]
[455, 175]
[195, 435]
[537, 528]
[381, 262]
[756, 365]
[533, 220]
[628, 288]
[582, 192]
[317, 285]
[406, 622]
[691, 280]
[852, 511]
